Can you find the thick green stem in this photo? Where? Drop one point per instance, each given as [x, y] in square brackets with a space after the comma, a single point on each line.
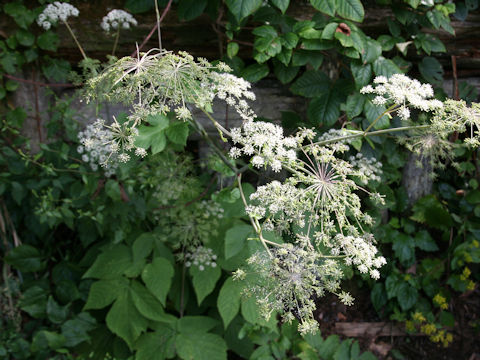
[75, 39]
[365, 134]
[219, 127]
[117, 35]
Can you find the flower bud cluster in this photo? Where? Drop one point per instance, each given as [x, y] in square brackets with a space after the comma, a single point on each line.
[368, 168]
[55, 12]
[266, 142]
[334, 134]
[400, 90]
[116, 19]
[201, 257]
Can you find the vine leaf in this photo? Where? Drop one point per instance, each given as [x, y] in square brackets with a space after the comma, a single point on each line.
[350, 9]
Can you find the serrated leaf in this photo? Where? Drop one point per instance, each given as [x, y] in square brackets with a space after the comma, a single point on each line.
[361, 73]
[228, 301]
[125, 320]
[431, 70]
[372, 112]
[190, 9]
[329, 346]
[424, 241]
[111, 263]
[378, 296]
[34, 302]
[243, 8]
[235, 239]
[104, 292]
[25, 258]
[385, 67]
[143, 246]
[48, 41]
[177, 133]
[158, 345]
[350, 9]
[311, 84]
[157, 276]
[255, 72]
[285, 73]
[153, 136]
[302, 57]
[282, 5]
[56, 313]
[195, 324]
[201, 346]
[146, 303]
[355, 104]
[325, 6]
[324, 109]
[403, 245]
[204, 280]
[407, 296]
[76, 330]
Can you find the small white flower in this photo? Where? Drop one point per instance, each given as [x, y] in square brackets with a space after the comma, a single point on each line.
[55, 12]
[117, 18]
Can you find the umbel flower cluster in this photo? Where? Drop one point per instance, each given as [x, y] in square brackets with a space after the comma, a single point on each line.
[56, 12]
[117, 19]
[108, 145]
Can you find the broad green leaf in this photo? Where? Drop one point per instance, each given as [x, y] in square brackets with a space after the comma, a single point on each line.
[361, 73]
[235, 239]
[378, 296]
[326, 6]
[157, 276]
[139, 6]
[22, 16]
[403, 245]
[350, 9]
[372, 51]
[282, 5]
[255, 72]
[25, 258]
[228, 301]
[324, 109]
[153, 135]
[158, 345]
[265, 31]
[56, 313]
[195, 324]
[204, 280]
[145, 302]
[329, 346]
[285, 73]
[372, 112]
[190, 9]
[102, 293]
[431, 70]
[201, 346]
[355, 105]
[112, 189]
[345, 40]
[424, 241]
[243, 8]
[343, 351]
[76, 330]
[25, 37]
[302, 57]
[311, 84]
[385, 67]
[111, 263]
[56, 69]
[329, 31]
[124, 320]
[407, 296]
[177, 133]
[34, 302]
[232, 49]
[143, 246]
[430, 211]
[48, 40]
[52, 339]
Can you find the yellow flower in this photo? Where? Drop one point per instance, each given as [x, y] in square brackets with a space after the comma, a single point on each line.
[470, 285]
[409, 326]
[429, 329]
[440, 301]
[418, 316]
[475, 243]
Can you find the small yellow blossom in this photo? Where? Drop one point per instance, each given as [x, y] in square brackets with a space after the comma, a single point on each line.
[428, 329]
[409, 326]
[418, 316]
[470, 285]
[440, 301]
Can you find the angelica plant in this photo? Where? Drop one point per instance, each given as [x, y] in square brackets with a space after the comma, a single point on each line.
[116, 20]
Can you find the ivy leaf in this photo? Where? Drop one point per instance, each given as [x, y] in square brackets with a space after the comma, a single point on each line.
[34, 302]
[177, 133]
[243, 8]
[125, 320]
[235, 239]
[372, 112]
[25, 37]
[201, 346]
[157, 276]
[350, 9]
[22, 16]
[324, 109]
[407, 296]
[282, 5]
[403, 245]
[255, 72]
[56, 313]
[111, 263]
[285, 73]
[424, 241]
[204, 280]
[25, 258]
[228, 301]
[190, 9]
[430, 211]
[311, 84]
[325, 6]
[431, 70]
[154, 134]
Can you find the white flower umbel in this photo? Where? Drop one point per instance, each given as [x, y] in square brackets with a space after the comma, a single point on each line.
[267, 142]
[401, 91]
[117, 19]
[56, 12]
[368, 168]
[200, 257]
